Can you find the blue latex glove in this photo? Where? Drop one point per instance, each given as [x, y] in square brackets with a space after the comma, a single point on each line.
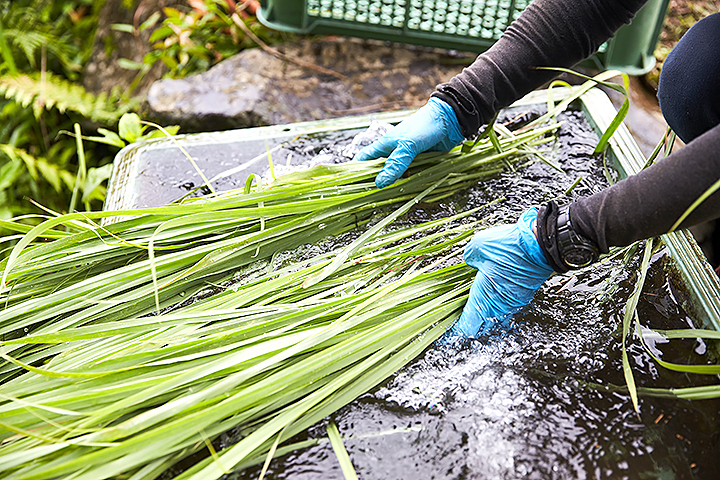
[511, 267]
[433, 127]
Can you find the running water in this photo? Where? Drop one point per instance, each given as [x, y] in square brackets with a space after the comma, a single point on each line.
[538, 398]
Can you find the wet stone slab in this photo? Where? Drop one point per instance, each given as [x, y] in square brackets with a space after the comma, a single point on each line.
[255, 88]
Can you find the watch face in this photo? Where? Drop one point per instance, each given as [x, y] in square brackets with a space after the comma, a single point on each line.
[579, 257]
[575, 251]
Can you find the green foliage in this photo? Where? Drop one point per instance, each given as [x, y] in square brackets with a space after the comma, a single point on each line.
[44, 46]
[37, 162]
[63, 29]
[56, 92]
[31, 166]
[192, 41]
[131, 129]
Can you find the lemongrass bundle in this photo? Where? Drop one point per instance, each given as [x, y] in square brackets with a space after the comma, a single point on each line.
[150, 262]
[107, 372]
[122, 395]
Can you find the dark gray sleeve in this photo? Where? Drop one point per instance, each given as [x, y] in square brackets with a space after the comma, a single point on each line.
[550, 33]
[649, 203]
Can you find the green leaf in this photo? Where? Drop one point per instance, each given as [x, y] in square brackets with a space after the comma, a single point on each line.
[130, 64]
[172, 130]
[150, 22]
[129, 127]
[160, 33]
[699, 369]
[18, 154]
[50, 173]
[248, 183]
[9, 173]
[698, 201]
[7, 56]
[82, 168]
[337, 444]
[601, 80]
[57, 92]
[170, 62]
[108, 137]
[172, 12]
[95, 178]
[123, 27]
[627, 319]
[690, 333]
[617, 120]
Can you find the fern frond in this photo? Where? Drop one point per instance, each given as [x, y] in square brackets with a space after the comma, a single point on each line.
[29, 42]
[58, 93]
[39, 167]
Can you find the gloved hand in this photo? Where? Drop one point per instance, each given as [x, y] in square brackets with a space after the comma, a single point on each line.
[511, 267]
[434, 127]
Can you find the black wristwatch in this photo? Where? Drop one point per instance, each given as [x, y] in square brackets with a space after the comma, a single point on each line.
[575, 251]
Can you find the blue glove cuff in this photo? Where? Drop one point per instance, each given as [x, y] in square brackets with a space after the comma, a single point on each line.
[528, 240]
[449, 118]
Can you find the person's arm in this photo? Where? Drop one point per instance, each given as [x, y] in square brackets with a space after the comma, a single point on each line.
[649, 203]
[645, 205]
[549, 33]
[552, 33]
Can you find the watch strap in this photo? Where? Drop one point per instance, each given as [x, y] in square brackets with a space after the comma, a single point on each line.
[547, 236]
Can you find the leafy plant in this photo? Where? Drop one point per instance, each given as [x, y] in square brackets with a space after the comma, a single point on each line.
[192, 40]
[47, 91]
[24, 177]
[32, 168]
[63, 30]
[44, 46]
[132, 129]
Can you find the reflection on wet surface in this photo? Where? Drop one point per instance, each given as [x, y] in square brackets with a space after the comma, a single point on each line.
[542, 396]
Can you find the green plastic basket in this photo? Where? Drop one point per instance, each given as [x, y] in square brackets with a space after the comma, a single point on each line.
[466, 25]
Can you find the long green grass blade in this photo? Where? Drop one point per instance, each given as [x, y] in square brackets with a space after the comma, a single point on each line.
[711, 189]
[343, 458]
[627, 319]
[701, 369]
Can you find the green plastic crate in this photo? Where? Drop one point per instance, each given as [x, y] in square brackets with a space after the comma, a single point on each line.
[469, 25]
